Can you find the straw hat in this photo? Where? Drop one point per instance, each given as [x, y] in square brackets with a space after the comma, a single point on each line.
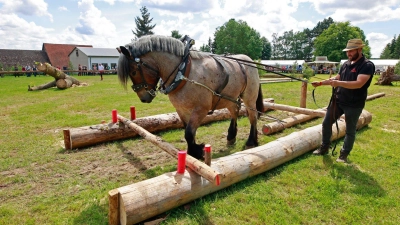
[353, 44]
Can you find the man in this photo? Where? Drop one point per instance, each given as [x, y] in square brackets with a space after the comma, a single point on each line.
[351, 85]
[101, 70]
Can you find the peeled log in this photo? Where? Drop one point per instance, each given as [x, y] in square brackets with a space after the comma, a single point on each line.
[293, 109]
[274, 127]
[197, 166]
[95, 134]
[148, 198]
[300, 118]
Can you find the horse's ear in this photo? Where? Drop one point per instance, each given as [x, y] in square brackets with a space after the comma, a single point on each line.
[125, 51]
[118, 49]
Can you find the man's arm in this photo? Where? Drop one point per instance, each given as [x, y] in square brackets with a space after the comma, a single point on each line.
[361, 80]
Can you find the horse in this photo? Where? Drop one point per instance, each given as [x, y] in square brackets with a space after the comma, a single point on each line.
[196, 83]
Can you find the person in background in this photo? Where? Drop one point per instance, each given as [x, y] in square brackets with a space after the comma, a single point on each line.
[34, 69]
[79, 70]
[101, 70]
[350, 92]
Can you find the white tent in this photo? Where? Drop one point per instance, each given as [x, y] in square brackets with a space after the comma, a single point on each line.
[380, 64]
[282, 62]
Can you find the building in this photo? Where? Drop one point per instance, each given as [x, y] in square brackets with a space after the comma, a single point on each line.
[21, 58]
[58, 54]
[90, 57]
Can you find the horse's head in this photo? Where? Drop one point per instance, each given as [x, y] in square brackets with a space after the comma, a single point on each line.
[143, 76]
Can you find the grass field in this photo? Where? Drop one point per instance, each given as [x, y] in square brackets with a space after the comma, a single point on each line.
[42, 183]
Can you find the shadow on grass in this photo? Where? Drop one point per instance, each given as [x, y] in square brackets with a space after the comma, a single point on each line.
[92, 215]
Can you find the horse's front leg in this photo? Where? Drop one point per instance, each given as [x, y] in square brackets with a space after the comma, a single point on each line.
[195, 150]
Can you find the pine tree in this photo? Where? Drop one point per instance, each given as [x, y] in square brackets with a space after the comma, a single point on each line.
[143, 26]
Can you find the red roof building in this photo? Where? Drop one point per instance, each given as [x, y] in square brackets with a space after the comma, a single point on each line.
[58, 54]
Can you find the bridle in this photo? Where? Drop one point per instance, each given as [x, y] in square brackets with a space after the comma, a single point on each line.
[137, 87]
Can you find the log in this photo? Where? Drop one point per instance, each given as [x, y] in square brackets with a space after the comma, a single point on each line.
[387, 77]
[300, 118]
[377, 95]
[96, 134]
[194, 164]
[303, 98]
[148, 198]
[43, 86]
[293, 109]
[274, 127]
[62, 80]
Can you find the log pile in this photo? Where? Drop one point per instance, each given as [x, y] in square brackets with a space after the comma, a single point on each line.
[100, 133]
[62, 80]
[387, 77]
[140, 201]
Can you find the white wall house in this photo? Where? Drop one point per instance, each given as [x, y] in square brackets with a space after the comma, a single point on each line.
[87, 56]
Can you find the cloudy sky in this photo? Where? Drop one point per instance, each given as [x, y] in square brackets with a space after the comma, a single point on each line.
[27, 24]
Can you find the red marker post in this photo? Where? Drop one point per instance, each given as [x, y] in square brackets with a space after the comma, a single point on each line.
[181, 162]
[114, 116]
[207, 154]
[133, 113]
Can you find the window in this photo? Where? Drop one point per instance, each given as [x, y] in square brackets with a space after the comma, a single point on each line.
[77, 53]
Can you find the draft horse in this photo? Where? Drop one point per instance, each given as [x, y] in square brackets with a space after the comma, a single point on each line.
[196, 83]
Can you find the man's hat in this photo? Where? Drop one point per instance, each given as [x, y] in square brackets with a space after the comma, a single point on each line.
[353, 44]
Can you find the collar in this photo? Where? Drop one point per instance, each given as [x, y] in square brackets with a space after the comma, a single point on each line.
[179, 81]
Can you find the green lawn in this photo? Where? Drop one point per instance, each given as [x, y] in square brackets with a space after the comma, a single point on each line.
[42, 183]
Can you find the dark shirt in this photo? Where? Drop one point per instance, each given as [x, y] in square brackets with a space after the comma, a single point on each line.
[349, 72]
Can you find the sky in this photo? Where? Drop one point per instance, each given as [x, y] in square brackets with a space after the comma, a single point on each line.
[27, 24]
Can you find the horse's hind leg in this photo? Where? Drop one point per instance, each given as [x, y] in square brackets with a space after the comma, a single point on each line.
[252, 140]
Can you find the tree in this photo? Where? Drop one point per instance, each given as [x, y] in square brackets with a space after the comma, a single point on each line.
[143, 26]
[332, 41]
[176, 34]
[386, 52]
[236, 37]
[396, 53]
[266, 51]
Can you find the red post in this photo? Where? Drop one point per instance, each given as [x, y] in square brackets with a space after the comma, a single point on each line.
[114, 116]
[133, 113]
[181, 162]
[207, 154]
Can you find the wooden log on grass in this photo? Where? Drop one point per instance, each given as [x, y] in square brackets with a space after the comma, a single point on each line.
[196, 165]
[294, 109]
[62, 80]
[277, 126]
[148, 198]
[96, 134]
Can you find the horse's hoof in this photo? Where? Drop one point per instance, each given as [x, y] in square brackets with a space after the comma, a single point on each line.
[231, 142]
[248, 147]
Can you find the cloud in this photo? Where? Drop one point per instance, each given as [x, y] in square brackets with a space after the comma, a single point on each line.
[62, 8]
[26, 7]
[377, 42]
[91, 22]
[13, 29]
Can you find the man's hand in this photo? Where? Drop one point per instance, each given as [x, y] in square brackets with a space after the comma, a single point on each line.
[316, 83]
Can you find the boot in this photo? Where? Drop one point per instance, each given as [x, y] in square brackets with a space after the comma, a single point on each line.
[342, 157]
[324, 149]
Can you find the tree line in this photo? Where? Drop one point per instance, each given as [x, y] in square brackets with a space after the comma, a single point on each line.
[327, 38]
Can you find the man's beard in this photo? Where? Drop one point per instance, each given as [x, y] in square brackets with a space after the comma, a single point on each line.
[355, 56]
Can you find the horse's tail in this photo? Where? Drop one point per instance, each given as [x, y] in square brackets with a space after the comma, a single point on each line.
[260, 102]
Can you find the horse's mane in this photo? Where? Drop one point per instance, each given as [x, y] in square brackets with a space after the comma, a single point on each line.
[153, 43]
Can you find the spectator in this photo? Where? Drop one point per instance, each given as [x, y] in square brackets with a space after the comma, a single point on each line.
[16, 69]
[101, 70]
[79, 70]
[34, 69]
[28, 70]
